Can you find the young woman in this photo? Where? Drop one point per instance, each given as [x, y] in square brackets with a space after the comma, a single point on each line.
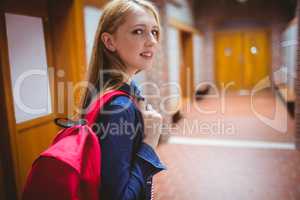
[126, 42]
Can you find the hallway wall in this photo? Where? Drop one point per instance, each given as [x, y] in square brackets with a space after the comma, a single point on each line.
[181, 13]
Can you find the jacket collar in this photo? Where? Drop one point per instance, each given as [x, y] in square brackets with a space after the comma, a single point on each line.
[132, 89]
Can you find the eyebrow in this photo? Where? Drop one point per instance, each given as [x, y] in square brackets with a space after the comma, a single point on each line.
[144, 25]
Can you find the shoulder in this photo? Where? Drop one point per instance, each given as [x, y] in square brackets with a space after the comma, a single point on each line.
[120, 106]
[122, 101]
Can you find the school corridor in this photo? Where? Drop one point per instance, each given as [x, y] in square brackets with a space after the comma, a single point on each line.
[232, 155]
[226, 81]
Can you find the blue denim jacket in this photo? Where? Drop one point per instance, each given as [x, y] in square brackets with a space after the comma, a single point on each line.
[128, 164]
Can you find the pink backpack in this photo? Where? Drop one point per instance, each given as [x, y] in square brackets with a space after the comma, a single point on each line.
[70, 168]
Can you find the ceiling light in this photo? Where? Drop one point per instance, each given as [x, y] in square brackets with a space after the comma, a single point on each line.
[242, 1]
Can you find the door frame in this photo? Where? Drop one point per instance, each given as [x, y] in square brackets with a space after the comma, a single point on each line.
[186, 64]
[186, 34]
[7, 136]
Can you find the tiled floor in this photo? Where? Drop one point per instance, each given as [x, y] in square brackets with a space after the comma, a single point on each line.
[237, 119]
[253, 170]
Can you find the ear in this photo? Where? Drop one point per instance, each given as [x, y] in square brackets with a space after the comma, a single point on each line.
[108, 41]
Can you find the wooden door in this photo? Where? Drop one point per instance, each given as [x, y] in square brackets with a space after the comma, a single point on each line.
[242, 58]
[256, 57]
[228, 59]
[29, 132]
[34, 34]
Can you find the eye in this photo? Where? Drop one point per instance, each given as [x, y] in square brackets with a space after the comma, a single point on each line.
[155, 33]
[138, 31]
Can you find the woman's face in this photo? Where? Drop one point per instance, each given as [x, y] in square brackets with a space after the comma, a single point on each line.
[136, 40]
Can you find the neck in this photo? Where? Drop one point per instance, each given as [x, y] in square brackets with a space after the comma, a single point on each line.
[129, 80]
[130, 76]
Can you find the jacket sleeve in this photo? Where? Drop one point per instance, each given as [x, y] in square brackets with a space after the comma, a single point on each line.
[124, 172]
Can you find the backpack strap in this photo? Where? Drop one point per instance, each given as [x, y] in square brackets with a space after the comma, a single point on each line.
[95, 108]
[67, 123]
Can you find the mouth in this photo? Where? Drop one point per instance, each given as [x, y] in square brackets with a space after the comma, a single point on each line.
[146, 54]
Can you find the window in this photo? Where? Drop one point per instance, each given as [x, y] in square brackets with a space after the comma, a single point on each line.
[28, 66]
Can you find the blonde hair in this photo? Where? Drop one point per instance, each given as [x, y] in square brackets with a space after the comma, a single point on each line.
[102, 59]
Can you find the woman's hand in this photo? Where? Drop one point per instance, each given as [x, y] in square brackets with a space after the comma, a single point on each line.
[152, 124]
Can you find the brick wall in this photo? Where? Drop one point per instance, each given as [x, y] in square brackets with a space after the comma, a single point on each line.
[157, 76]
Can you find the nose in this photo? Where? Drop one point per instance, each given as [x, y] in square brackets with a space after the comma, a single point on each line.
[150, 40]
